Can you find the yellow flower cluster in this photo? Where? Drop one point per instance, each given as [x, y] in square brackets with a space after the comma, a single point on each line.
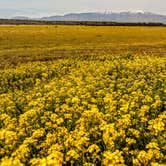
[107, 111]
[113, 159]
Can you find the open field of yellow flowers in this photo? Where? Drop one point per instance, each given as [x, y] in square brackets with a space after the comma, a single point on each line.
[72, 95]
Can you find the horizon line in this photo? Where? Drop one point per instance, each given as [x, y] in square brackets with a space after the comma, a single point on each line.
[82, 12]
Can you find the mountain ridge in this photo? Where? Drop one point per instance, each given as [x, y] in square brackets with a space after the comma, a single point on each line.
[128, 16]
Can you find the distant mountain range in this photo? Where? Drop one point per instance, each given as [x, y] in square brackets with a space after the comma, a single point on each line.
[133, 17]
[21, 18]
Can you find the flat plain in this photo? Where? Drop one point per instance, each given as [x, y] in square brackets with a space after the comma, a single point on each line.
[32, 43]
[82, 95]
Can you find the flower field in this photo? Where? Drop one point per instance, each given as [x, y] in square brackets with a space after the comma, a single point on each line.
[91, 109]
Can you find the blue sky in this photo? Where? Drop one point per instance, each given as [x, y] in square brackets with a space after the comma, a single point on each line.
[38, 8]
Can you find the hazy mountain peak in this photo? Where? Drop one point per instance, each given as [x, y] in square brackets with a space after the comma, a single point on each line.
[129, 16]
[126, 16]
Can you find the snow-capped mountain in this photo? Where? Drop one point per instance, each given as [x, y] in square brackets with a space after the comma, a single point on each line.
[129, 16]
